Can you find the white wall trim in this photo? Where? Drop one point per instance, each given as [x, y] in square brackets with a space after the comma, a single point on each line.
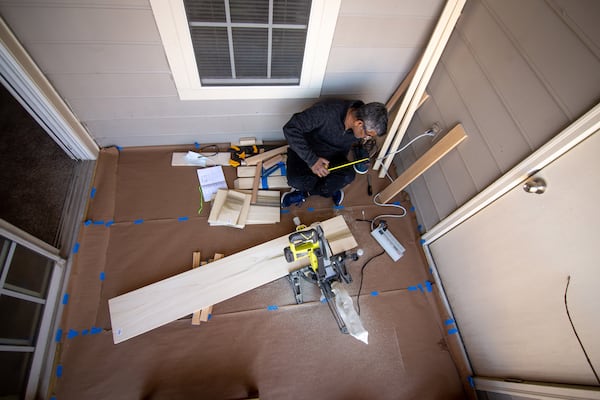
[173, 28]
[559, 145]
[26, 82]
[535, 390]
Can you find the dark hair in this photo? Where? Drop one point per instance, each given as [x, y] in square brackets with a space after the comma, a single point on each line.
[374, 116]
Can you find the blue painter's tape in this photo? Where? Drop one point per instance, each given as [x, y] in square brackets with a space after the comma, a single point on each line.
[93, 193]
[471, 381]
[58, 335]
[422, 241]
[285, 211]
[412, 209]
[76, 248]
[138, 221]
[272, 308]
[85, 332]
[264, 182]
[72, 333]
[181, 219]
[99, 222]
[430, 270]
[323, 300]
[209, 317]
[119, 148]
[428, 286]
[338, 207]
[102, 276]
[374, 293]
[311, 209]
[88, 222]
[449, 321]
[197, 145]
[452, 331]
[109, 223]
[412, 288]
[95, 330]
[420, 227]
[59, 371]
[65, 298]
[396, 203]
[421, 288]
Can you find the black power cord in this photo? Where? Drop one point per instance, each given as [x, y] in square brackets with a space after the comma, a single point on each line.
[362, 270]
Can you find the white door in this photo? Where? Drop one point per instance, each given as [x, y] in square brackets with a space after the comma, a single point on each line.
[505, 272]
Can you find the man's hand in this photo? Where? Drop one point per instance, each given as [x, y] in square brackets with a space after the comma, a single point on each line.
[320, 167]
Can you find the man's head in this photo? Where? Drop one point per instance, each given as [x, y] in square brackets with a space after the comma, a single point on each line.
[371, 120]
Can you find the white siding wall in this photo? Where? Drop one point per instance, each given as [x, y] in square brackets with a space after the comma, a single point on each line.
[106, 59]
[514, 73]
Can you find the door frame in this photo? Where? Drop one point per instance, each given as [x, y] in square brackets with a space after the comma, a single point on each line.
[564, 141]
[28, 84]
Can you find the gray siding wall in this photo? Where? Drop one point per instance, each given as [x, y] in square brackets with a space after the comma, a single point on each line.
[106, 59]
[514, 73]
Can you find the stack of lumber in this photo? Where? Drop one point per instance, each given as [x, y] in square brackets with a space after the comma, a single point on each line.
[416, 84]
[233, 208]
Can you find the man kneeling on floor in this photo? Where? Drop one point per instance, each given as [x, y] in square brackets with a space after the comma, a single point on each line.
[320, 138]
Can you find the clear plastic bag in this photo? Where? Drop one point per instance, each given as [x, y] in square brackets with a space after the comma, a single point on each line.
[345, 307]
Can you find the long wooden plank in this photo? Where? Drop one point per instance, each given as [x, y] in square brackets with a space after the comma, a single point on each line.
[149, 307]
[415, 90]
[391, 103]
[431, 156]
[207, 311]
[196, 257]
[266, 155]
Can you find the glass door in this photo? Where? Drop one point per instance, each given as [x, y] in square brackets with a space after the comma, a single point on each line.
[30, 276]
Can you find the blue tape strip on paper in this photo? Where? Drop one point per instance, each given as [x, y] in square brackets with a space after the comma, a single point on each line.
[284, 211]
[422, 241]
[197, 145]
[181, 219]
[95, 330]
[338, 207]
[272, 308]
[396, 203]
[264, 182]
[310, 209]
[88, 222]
[209, 317]
[65, 299]
[93, 193]
[412, 209]
[72, 333]
[420, 288]
[58, 335]
[452, 331]
[138, 221]
[109, 223]
[428, 286]
[471, 381]
[412, 288]
[76, 248]
[119, 148]
[99, 222]
[102, 276]
[85, 332]
[59, 370]
[449, 321]
[374, 293]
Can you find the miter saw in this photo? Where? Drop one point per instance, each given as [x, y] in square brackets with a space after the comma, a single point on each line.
[324, 269]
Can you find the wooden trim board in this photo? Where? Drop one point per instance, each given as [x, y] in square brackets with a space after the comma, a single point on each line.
[149, 307]
[431, 156]
[273, 182]
[266, 155]
[249, 171]
[196, 256]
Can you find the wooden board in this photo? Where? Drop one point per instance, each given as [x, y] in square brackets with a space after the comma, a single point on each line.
[196, 256]
[266, 155]
[440, 149]
[178, 159]
[249, 171]
[230, 208]
[273, 182]
[157, 304]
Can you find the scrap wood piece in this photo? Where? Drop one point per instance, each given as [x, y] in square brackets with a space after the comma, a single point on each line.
[255, 184]
[195, 264]
[414, 93]
[431, 156]
[207, 311]
[178, 159]
[248, 171]
[151, 306]
[273, 161]
[230, 208]
[267, 209]
[266, 155]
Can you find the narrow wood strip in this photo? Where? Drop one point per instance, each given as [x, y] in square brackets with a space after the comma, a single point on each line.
[196, 257]
[266, 155]
[256, 183]
[440, 149]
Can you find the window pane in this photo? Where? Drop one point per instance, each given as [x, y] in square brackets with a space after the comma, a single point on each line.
[211, 48]
[256, 11]
[250, 52]
[14, 367]
[288, 52]
[205, 10]
[29, 271]
[291, 12]
[19, 320]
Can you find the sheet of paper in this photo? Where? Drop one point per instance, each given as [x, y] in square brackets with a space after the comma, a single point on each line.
[211, 179]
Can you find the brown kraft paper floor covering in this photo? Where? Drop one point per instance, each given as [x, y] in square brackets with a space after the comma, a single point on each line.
[142, 226]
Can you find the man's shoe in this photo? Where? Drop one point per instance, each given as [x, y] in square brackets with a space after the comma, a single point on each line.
[338, 197]
[360, 151]
[293, 197]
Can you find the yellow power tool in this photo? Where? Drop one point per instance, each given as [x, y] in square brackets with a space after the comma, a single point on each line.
[305, 243]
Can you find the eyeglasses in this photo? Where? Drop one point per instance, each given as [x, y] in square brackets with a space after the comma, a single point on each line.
[367, 135]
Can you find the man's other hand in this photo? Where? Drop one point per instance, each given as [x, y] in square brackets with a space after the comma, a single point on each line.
[320, 168]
